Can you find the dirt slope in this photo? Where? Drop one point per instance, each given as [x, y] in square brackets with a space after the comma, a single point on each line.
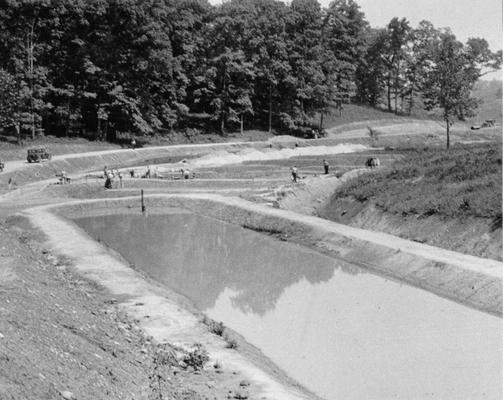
[480, 237]
[64, 337]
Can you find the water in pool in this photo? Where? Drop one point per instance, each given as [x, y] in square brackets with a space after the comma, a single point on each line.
[338, 330]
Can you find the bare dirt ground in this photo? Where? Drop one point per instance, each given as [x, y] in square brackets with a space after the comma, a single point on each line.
[62, 336]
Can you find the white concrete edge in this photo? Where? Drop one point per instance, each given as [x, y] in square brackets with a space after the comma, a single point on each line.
[166, 321]
[489, 267]
[159, 317]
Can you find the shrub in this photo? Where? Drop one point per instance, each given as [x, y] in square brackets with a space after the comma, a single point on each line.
[217, 328]
[197, 357]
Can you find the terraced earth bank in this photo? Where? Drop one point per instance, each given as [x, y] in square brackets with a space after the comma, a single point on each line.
[97, 330]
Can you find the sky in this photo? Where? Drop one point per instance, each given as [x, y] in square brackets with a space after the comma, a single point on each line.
[466, 18]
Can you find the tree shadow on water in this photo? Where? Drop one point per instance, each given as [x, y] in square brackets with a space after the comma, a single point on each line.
[200, 257]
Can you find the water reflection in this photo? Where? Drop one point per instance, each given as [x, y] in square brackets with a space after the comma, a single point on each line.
[201, 257]
[341, 333]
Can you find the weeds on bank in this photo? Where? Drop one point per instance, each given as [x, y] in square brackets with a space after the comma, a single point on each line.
[463, 181]
[218, 328]
[197, 357]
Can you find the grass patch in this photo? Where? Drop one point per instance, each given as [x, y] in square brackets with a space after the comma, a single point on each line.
[464, 181]
[355, 112]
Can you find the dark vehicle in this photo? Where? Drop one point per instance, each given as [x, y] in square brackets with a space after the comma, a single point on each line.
[38, 154]
[2, 165]
[488, 123]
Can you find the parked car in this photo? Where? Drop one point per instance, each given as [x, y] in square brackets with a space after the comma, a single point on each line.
[2, 165]
[38, 154]
[488, 123]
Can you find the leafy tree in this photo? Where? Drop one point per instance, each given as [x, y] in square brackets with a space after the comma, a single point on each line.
[344, 30]
[9, 98]
[370, 72]
[265, 45]
[304, 28]
[394, 56]
[454, 70]
[418, 60]
[231, 77]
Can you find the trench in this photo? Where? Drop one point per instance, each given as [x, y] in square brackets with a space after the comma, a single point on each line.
[339, 330]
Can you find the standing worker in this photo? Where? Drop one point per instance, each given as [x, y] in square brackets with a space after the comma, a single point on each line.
[108, 181]
[294, 174]
[325, 166]
[133, 143]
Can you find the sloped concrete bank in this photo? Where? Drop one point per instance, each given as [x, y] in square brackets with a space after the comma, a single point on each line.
[466, 279]
[159, 312]
[473, 281]
[481, 237]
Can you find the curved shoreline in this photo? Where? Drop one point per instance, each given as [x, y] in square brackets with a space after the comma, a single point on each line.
[465, 279]
[160, 314]
[456, 276]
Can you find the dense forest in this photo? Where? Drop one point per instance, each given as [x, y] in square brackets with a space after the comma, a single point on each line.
[109, 68]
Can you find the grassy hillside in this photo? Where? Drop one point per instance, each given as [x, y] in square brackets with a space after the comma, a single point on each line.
[489, 94]
[355, 113]
[465, 181]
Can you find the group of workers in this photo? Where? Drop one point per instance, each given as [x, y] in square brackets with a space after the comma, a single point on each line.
[110, 175]
[295, 172]
[63, 178]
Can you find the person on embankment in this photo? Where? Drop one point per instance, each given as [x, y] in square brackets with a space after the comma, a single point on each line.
[294, 174]
[326, 166]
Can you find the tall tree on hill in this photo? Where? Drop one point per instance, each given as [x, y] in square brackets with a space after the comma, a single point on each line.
[266, 48]
[394, 56]
[418, 60]
[344, 30]
[186, 22]
[453, 71]
[28, 30]
[304, 28]
[370, 71]
[344, 45]
[9, 101]
[228, 78]
[230, 83]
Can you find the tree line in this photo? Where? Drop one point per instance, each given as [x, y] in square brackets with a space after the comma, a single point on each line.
[100, 68]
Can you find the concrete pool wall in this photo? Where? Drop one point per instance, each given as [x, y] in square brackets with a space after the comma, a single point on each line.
[160, 313]
[465, 279]
[468, 280]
